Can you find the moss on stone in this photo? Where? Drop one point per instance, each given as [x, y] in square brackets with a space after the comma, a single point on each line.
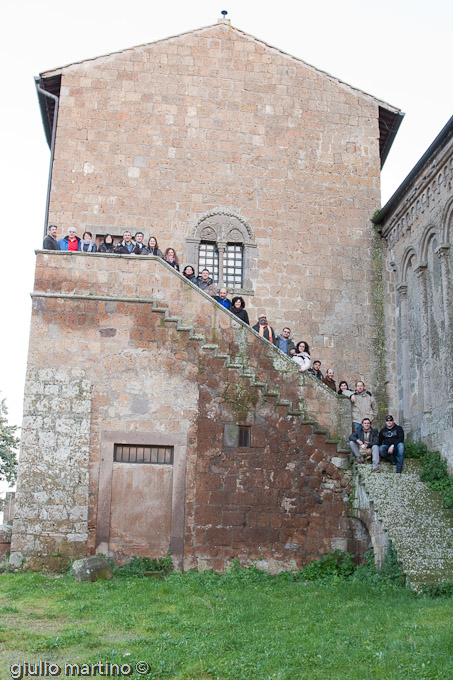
[242, 400]
[378, 343]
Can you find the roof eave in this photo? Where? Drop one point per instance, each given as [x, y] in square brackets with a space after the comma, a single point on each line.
[437, 143]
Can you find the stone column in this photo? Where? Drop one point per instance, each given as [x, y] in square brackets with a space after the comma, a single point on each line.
[420, 271]
[443, 253]
[221, 247]
[404, 343]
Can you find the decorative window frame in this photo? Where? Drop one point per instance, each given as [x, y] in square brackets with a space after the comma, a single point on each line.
[223, 226]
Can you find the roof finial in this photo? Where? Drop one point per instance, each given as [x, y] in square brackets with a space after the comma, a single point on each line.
[223, 19]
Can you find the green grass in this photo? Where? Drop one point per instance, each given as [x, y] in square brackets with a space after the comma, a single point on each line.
[240, 626]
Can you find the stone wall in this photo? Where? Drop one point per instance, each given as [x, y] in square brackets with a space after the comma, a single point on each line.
[137, 355]
[51, 513]
[205, 134]
[418, 236]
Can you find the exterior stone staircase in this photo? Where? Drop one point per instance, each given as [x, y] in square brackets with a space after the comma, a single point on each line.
[302, 413]
[239, 364]
[404, 510]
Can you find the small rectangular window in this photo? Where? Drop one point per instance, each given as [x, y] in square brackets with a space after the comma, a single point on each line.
[244, 436]
[151, 455]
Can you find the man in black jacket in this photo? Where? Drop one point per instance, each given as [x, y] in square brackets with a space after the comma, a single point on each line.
[50, 242]
[364, 438]
[391, 443]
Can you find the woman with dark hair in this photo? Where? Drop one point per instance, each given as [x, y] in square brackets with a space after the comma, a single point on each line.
[238, 309]
[190, 274]
[171, 257]
[344, 389]
[87, 245]
[302, 355]
[107, 244]
[153, 247]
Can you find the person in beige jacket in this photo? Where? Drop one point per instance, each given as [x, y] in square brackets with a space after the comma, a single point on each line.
[363, 405]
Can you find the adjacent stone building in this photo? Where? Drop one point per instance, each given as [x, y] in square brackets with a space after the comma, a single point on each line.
[153, 418]
[416, 226]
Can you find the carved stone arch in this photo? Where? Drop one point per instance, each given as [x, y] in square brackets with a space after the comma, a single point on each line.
[429, 233]
[222, 221]
[229, 232]
[408, 254]
[447, 222]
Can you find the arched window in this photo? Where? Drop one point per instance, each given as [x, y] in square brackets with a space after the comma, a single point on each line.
[222, 242]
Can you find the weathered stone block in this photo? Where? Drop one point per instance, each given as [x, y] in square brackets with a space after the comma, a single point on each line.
[92, 568]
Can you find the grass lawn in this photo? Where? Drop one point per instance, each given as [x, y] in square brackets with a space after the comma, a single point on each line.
[242, 625]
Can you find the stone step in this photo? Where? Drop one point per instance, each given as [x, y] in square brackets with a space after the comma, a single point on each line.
[415, 520]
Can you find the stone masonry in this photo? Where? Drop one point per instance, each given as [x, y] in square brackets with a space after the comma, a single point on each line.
[216, 123]
[417, 231]
[153, 360]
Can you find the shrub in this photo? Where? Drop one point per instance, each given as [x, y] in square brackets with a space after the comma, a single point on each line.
[391, 569]
[333, 564]
[444, 589]
[139, 565]
[415, 449]
[434, 467]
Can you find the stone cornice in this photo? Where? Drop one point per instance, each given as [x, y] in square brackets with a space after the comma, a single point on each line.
[422, 194]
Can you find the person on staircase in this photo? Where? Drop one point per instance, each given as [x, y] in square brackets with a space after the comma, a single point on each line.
[391, 443]
[364, 439]
[302, 355]
[204, 282]
[222, 298]
[71, 241]
[285, 344]
[87, 244]
[238, 309]
[153, 247]
[106, 245]
[363, 405]
[171, 258]
[140, 248]
[266, 331]
[316, 369]
[329, 381]
[189, 273]
[50, 242]
[126, 246]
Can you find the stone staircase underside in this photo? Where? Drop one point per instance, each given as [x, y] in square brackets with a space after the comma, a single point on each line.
[413, 518]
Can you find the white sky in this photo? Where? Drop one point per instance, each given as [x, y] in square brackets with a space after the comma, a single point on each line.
[396, 50]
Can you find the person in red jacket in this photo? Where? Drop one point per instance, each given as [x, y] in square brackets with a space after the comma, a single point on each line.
[71, 241]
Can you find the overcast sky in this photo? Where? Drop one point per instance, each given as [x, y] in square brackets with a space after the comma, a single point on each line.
[396, 50]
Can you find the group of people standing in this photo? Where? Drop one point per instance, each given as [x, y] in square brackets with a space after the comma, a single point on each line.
[127, 246]
[388, 443]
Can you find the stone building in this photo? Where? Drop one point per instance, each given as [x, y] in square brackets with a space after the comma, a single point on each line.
[152, 417]
[242, 158]
[416, 226]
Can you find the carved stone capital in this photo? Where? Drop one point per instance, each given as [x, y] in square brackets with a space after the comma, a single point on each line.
[421, 269]
[443, 250]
